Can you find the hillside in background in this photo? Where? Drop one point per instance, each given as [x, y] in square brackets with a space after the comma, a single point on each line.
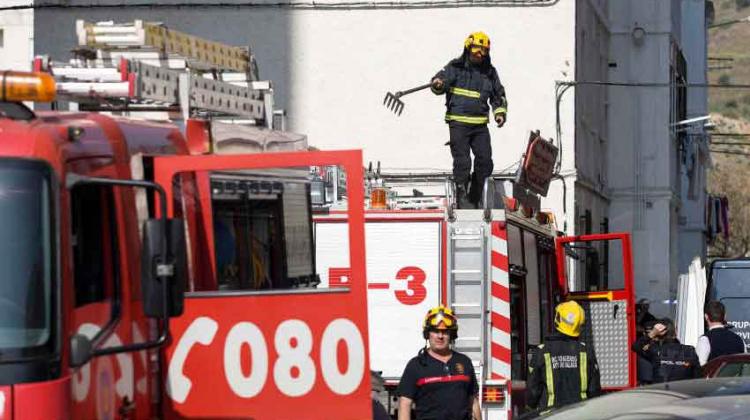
[729, 46]
[729, 63]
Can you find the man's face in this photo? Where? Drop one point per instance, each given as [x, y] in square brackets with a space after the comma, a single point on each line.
[477, 54]
[439, 340]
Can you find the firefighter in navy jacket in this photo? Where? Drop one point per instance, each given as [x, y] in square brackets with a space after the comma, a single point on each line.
[471, 86]
[440, 382]
[563, 370]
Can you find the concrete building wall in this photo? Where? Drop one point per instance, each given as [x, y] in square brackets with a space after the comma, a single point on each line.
[591, 116]
[646, 174]
[640, 146]
[692, 213]
[17, 35]
[332, 68]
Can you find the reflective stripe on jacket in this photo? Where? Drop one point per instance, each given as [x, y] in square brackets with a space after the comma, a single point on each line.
[470, 90]
[562, 371]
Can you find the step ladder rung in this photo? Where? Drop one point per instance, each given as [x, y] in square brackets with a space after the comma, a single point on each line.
[469, 342]
[468, 349]
[466, 271]
[470, 317]
[466, 237]
[467, 282]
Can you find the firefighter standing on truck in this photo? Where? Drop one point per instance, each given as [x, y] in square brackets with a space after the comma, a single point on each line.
[469, 83]
[563, 370]
[439, 381]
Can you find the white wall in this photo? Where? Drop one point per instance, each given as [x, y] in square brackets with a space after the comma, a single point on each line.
[16, 52]
[332, 69]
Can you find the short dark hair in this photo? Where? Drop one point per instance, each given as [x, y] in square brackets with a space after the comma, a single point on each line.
[715, 311]
[671, 332]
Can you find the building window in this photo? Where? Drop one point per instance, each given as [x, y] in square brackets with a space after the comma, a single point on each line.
[2, 37]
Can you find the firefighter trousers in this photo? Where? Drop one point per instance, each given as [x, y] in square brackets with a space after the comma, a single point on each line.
[474, 138]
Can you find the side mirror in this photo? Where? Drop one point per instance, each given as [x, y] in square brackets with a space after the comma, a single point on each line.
[80, 350]
[163, 259]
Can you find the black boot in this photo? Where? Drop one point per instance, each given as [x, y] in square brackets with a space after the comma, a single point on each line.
[475, 191]
[462, 197]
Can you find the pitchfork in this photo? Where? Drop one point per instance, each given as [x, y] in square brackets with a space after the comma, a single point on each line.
[393, 101]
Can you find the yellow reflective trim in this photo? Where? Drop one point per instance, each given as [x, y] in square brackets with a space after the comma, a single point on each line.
[583, 366]
[550, 380]
[501, 110]
[465, 92]
[593, 295]
[466, 119]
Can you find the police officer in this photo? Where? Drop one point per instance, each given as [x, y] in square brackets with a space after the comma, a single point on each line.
[439, 381]
[563, 370]
[670, 360]
[718, 340]
[643, 317]
[469, 83]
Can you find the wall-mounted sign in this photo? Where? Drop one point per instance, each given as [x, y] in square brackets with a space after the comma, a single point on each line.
[538, 164]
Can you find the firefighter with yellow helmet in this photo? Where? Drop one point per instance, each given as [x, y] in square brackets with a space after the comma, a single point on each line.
[563, 370]
[472, 89]
[439, 381]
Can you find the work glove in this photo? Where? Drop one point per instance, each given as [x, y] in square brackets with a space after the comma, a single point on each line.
[438, 86]
[500, 119]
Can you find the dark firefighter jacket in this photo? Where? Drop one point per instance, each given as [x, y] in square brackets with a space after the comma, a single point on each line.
[670, 360]
[562, 371]
[468, 88]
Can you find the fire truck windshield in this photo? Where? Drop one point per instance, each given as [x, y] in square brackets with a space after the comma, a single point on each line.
[26, 258]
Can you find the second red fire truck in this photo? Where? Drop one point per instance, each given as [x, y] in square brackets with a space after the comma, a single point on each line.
[502, 268]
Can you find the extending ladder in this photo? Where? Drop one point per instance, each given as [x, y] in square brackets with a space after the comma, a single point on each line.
[141, 66]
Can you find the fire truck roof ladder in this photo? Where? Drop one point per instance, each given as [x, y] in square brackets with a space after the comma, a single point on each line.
[141, 66]
[468, 259]
[467, 262]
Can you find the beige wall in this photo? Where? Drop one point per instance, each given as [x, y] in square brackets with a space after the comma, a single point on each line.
[18, 36]
[332, 68]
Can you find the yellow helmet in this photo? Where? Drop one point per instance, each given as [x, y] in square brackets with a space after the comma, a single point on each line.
[569, 318]
[477, 39]
[440, 318]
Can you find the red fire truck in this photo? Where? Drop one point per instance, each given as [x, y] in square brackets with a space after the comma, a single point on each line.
[152, 271]
[502, 268]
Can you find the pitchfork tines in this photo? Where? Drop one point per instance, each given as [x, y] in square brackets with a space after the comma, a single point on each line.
[393, 101]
